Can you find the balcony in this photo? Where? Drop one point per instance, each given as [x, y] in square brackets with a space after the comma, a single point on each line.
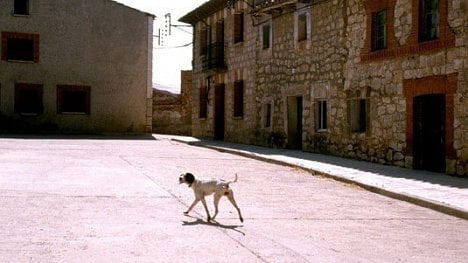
[213, 57]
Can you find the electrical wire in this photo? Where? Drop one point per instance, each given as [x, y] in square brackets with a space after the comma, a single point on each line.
[181, 46]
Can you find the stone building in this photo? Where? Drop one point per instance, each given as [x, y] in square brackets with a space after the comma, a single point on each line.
[380, 81]
[75, 66]
[172, 113]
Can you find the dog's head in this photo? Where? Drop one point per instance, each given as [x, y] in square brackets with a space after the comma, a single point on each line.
[187, 178]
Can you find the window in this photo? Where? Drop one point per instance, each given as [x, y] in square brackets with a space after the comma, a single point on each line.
[267, 115]
[238, 27]
[358, 115]
[203, 103]
[322, 115]
[266, 29]
[302, 27]
[203, 41]
[28, 99]
[239, 98]
[379, 30]
[20, 47]
[21, 7]
[428, 20]
[73, 99]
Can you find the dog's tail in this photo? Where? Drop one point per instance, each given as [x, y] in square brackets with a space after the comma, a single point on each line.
[235, 180]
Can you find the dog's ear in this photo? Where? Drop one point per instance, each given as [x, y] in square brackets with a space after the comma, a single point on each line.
[189, 178]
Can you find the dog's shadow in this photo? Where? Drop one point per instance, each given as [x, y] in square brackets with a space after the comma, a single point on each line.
[200, 221]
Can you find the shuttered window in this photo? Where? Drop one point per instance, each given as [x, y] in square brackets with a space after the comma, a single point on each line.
[203, 101]
[238, 27]
[202, 41]
[239, 98]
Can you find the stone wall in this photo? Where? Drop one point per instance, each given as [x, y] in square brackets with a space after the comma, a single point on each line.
[172, 112]
[336, 64]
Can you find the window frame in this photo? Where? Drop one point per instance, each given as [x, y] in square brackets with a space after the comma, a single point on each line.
[322, 115]
[379, 31]
[61, 106]
[239, 28]
[266, 32]
[358, 115]
[424, 31]
[302, 27]
[27, 8]
[238, 99]
[203, 102]
[267, 115]
[7, 36]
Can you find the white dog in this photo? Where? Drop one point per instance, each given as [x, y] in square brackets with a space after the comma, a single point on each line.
[201, 188]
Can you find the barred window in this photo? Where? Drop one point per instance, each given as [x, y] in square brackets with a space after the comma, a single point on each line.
[322, 115]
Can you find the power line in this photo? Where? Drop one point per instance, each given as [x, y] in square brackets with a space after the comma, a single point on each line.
[181, 46]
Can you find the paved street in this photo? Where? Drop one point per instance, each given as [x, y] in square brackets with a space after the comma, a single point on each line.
[109, 199]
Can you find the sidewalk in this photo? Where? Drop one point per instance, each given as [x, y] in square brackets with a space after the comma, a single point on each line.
[446, 194]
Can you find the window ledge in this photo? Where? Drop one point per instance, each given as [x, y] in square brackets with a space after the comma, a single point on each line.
[21, 61]
[28, 113]
[73, 113]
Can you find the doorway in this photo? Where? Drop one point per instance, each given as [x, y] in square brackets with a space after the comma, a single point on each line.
[429, 132]
[219, 112]
[295, 122]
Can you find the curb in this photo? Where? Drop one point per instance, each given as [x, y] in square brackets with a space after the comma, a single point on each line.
[434, 205]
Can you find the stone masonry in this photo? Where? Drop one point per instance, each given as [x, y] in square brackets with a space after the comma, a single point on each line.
[327, 89]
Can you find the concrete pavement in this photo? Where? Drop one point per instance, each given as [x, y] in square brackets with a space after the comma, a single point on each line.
[111, 199]
[447, 194]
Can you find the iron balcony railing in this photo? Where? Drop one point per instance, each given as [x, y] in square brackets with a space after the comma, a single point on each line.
[214, 56]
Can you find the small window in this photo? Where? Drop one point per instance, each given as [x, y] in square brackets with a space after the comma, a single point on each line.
[20, 47]
[21, 7]
[203, 42]
[302, 27]
[28, 99]
[266, 29]
[428, 20]
[73, 99]
[238, 98]
[203, 103]
[267, 115]
[238, 27]
[358, 115]
[379, 30]
[322, 115]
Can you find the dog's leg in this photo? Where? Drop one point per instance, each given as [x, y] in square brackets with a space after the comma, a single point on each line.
[206, 209]
[192, 206]
[230, 196]
[216, 202]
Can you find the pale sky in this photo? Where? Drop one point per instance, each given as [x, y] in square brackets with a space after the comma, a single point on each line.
[168, 61]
